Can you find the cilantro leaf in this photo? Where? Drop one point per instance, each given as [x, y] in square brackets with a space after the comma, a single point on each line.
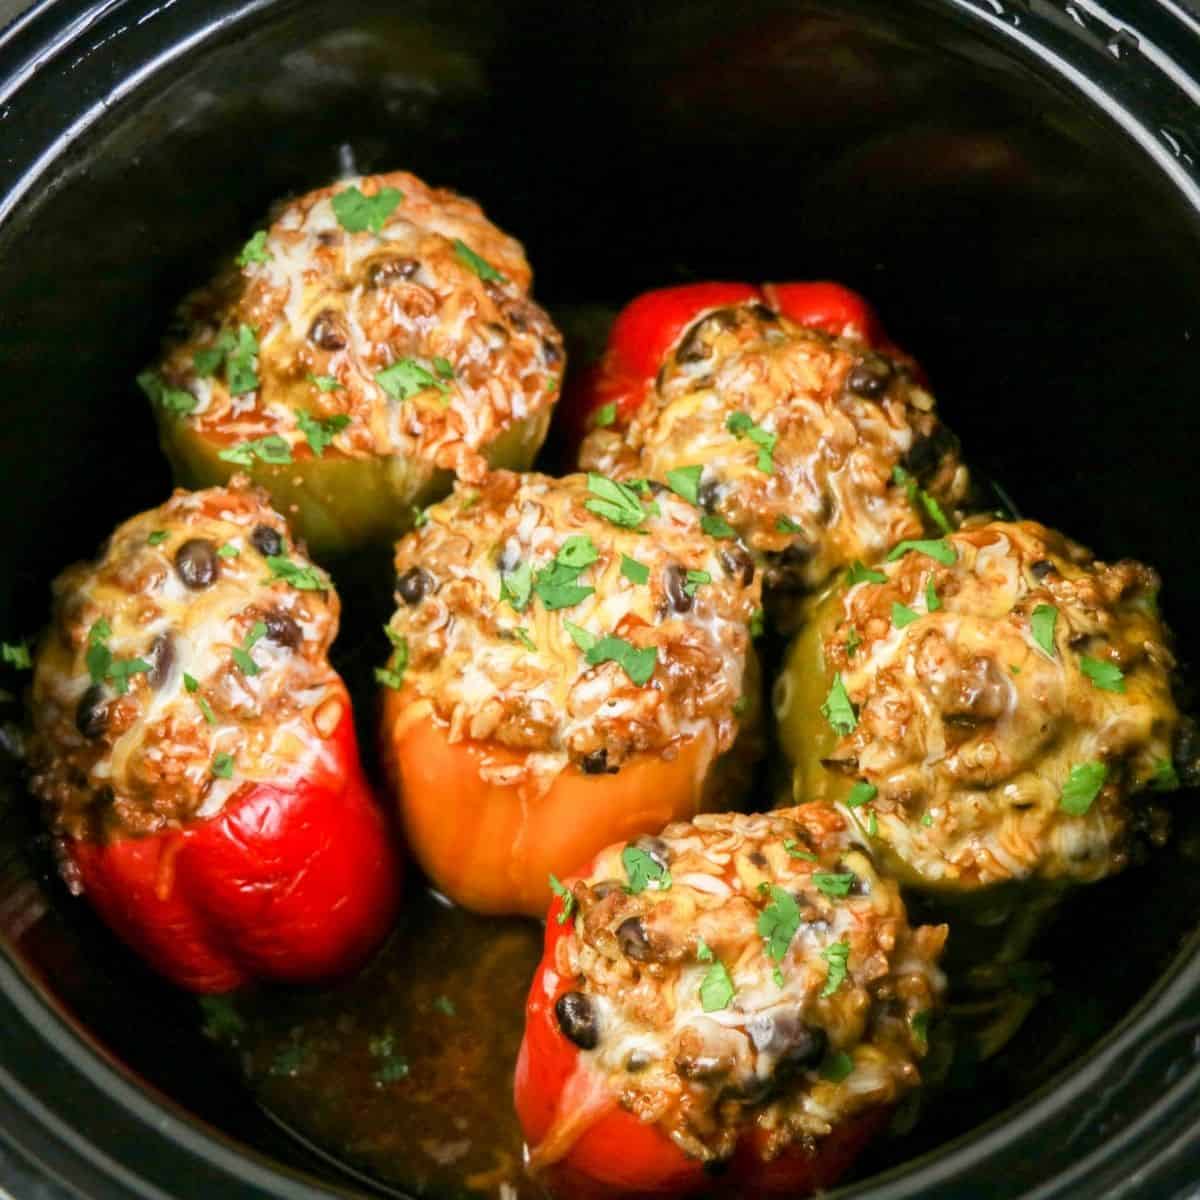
[1106, 676]
[932, 602]
[837, 956]
[157, 537]
[741, 426]
[786, 525]
[939, 550]
[853, 641]
[228, 550]
[642, 871]
[860, 574]
[255, 250]
[577, 552]
[756, 623]
[793, 848]
[222, 766]
[271, 449]
[557, 587]
[920, 1026]
[445, 1006]
[1082, 787]
[778, 923]
[920, 499]
[480, 266]
[902, 615]
[521, 634]
[120, 670]
[174, 400]
[833, 885]
[325, 383]
[240, 367]
[685, 482]
[861, 793]
[604, 416]
[516, 586]
[567, 897]
[838, 709]
[1166, 778]
[16, 654]
[703, 951]
[694, 580]
[615, 502]
[837, 1066]
[1042, 622]
[633, 570]
[927, 820]
[580, 636]
[637, 663]
[99, 657]
[716, 527]
[303, 579]
[357, 213]
[319, 433]
[406, 377]
[716, 989]
[443, 367]
[208, 359]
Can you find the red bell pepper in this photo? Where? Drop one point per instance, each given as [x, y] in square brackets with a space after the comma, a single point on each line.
[598, 1149]
[292, 882]
[649, 326]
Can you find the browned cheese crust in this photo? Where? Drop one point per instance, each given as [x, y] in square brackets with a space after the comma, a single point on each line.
[500, 654]
[182, 595]
[813, 485]
[326, 303]
[832, 989]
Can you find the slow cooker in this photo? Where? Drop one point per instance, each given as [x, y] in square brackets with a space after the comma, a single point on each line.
[1013, 182]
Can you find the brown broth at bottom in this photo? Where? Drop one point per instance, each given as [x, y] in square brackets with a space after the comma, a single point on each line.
[403, 1073]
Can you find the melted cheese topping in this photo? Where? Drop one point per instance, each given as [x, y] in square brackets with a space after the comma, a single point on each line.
[520, 679]
[828, 496]
[770, 1057]
[107, 763]
[970, 729]
[330, 303]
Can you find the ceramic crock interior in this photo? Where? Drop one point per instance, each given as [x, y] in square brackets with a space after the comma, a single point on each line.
[1010, 237]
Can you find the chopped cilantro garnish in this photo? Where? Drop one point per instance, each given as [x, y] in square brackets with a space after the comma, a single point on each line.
[932, 602]
[741, 705]
[642, 871]
[577, 552]
[228, 550]
[756, 623]
[389, 678]
[741, 425]
[838, 710]
[862, 793]
[208, 359]
[157, 537]
[16, 654]
[717, 527]
[778, 922]
[902, 615]
[1042, 622]
[174, 400]
[255, 250]
[920, 1026]
[1082, 787]
[304, 579]
[522, 636]
[325, 383]
[833, 885]
[516, 586]
[939, 549]
[480, 266]
[241, 654]
[633, 570]
[860, 574]
[240, 372]
[615, 502]
[270, 449]
[392, 676]
[604, 416]
[927, 820]
[406, 378]
[222, 766]
[357, 213]
[794, 849]
[580, 636]
[443, 367]
[121, 669]
[703, 951]
[319, 433]
[837, 1067]
[557, 583]
[853, 641]
[222, 1022]
[685, 482]
[637, 663]
[1166, 778]
[786, 525]
[445, 1006]
[716, 988]
[564, 894]
[694, 580]
[99, 657]
[1106, 676]
[837, 956]
[920, 499]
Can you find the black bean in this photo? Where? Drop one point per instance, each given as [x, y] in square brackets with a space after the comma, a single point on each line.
[596, 763]
[1040, 569]
[674, 578]
[197, 564]
[325, 332]
[758, 858]
[658, 850]
[869, 376]
[283, 630]
[737, 561]
[267, 541]
[413, 584]
[91, 714]
[577, 1019]
[631, 937]
[161, 658]
[391, 270]
[551, 351]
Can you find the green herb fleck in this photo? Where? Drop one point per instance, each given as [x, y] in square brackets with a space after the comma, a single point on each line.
[1106, 676]
[927, 820]
[902, 615]
[1166, 778]
[778, 922]
[480, 266]
[393, 1070]
[786, 525]
[392, 676]
[756, 623]
[565, 894]
[516, 586]
[932, 603]
[794, 849]
[288, 1061]
[255, 250]
[838, 710]
[228, 550]
[270, 449]
[637, 663]
[716, 989]
[741, 425]
[580, 636]
[837, 1067]
[717, 527]
[241, 654]
[920, 1026]
[694, 580]
[357, 213]
[604, 416]
[633, 570]
[445, 1006]
[853, 641]
[241, 374]
[222, 1022]
[171, 399]
[685, 482]
[862, 793]
[157, 537]
[642, 871]
[615, 502]
[222, 766]
[325, 383]
[1042, 622]
[837, 956]
[703, 951]
[406, 378]
[920, 499]
[16, 654]
[939, 550]
[833, 885]
[1082, 787]
[303, 579]
[319, 433]
[522, 636]
[861, 574]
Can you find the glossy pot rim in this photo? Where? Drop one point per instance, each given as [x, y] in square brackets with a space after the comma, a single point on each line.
[79, 48]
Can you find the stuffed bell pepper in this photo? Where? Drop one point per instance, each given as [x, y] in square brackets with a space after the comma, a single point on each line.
[195, 752]
[375, 342]
[572, 663]
[734, 1007]
[816, 450]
